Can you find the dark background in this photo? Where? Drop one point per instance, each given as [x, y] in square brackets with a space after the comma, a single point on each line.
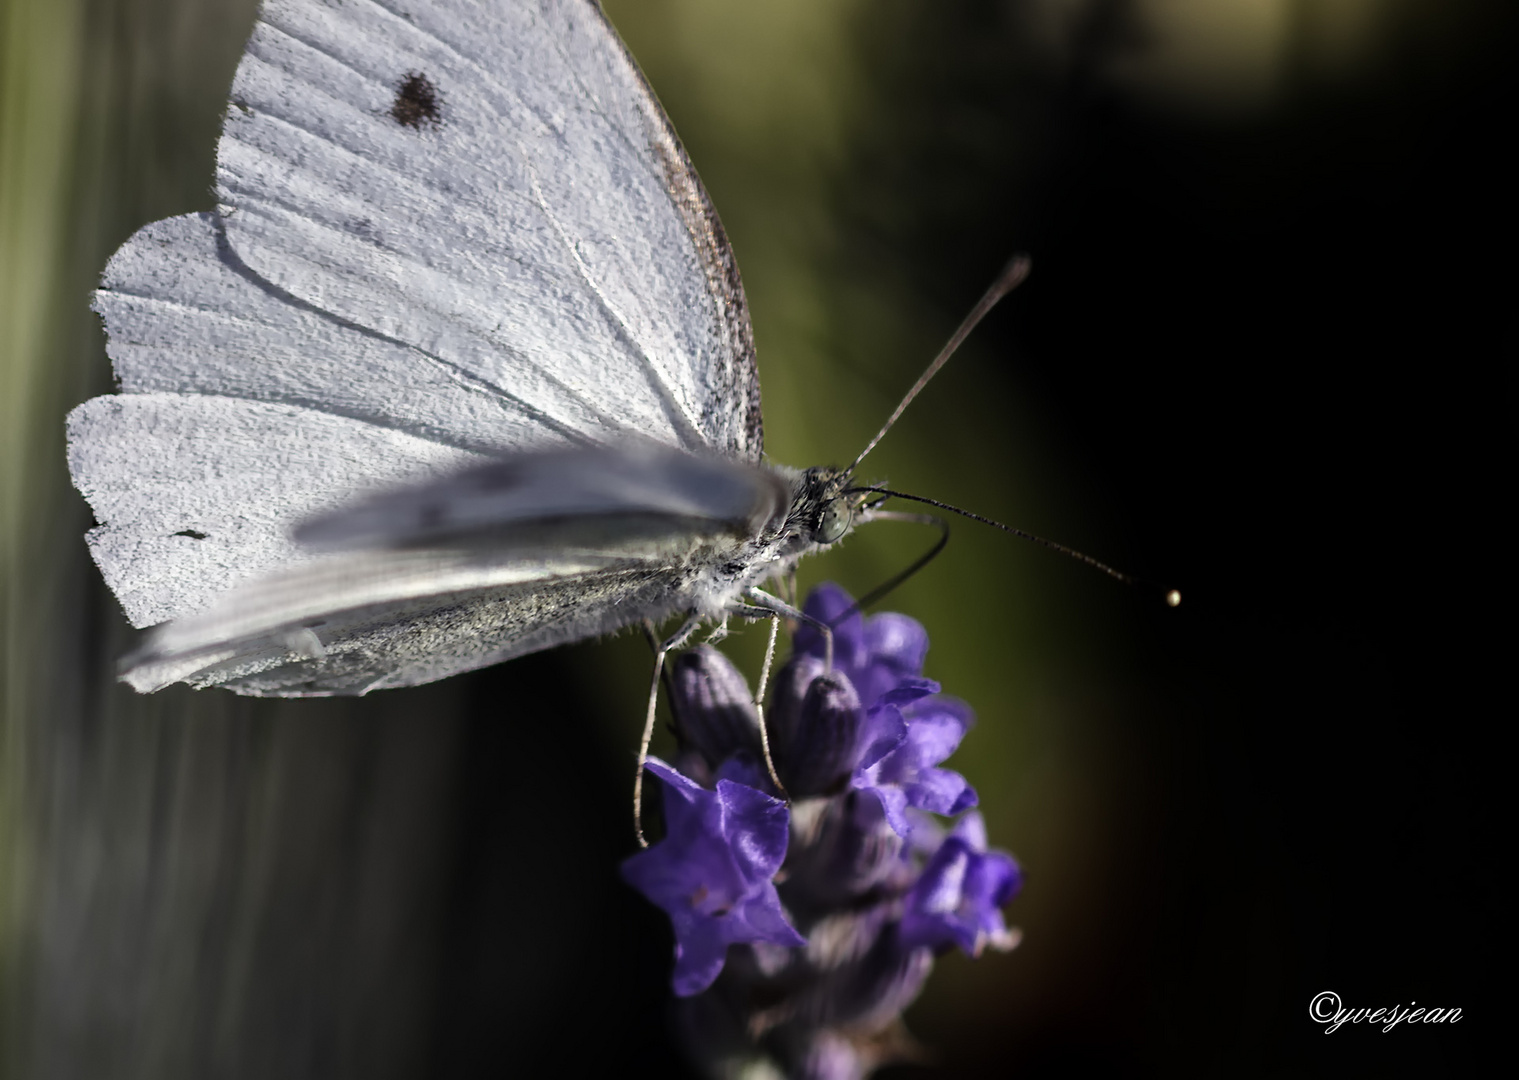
[1264, 356]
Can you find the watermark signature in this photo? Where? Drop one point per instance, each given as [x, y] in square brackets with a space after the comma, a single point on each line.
[1327, 1009]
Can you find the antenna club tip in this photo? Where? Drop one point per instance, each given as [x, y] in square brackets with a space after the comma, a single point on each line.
[1173, 598]
[1014, 272]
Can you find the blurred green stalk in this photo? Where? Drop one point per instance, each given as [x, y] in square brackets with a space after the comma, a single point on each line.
[39, 58]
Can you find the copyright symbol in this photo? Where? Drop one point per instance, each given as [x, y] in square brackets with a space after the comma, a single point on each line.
[1324, 1007]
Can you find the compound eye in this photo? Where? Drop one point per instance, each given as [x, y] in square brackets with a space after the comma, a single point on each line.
[833, 522]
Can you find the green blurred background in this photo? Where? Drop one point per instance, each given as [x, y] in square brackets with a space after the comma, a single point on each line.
[1263, 357]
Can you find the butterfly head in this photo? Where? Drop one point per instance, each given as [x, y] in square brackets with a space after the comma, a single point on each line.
[823, 506]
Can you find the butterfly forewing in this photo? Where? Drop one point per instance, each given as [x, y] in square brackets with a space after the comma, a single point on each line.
[447, 232]
[520, 235]
[186, 316]
[572, 497]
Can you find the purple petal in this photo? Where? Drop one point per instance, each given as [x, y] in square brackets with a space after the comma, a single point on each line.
[827, 604]
[959, 896]
[880, 684]
[883, 732]
[968, 798]
[761, 918]
[700, 951]
[939, 889]
[931, 739]
[746, 770]
[755, 826]
[873, 681]
[908, 767]
[908, 690]
[939, 790]
[698, 866]
[685, 801]
[712, 872]
[893, 804]
[932, 917]
[926, 836]
[945, 706]
[993, 880]
[898, 641]
[972, 829]
[687, 872]
[681, 785]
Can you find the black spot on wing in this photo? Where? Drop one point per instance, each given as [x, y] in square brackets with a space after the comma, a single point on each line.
[418, 102]
[193, 534]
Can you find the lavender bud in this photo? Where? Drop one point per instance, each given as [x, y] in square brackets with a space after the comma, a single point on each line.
[821, 751]
[841, 849]
[714, 711]
[784, 716]
[870, 991]
[827, 1056]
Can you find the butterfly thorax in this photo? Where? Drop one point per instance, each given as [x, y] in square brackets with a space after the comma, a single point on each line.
[817, 516]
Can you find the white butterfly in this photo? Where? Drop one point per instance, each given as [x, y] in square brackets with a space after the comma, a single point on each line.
[460, 367]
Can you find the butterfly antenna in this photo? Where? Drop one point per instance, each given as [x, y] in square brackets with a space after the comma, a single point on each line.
[1011, 277]
[898, 578]
[1172, 596]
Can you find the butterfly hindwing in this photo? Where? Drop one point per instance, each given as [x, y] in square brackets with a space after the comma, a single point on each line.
[401, 642]
[476, 554]
[196, 493]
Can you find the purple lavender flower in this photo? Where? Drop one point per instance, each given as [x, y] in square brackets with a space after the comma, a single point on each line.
[712, 872]
[882, 656]
[901, 733]
[905, 774]
[959, 897]
[833, 933]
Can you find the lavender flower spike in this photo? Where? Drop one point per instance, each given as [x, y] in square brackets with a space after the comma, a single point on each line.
[863, 868]
[712, 873]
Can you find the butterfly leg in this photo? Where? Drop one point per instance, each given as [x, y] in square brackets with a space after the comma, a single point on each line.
[770, 606]
[785, 585]
[670, 644]
[759, 708]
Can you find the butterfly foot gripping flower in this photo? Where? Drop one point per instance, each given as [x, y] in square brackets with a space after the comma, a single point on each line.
[804, 929]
